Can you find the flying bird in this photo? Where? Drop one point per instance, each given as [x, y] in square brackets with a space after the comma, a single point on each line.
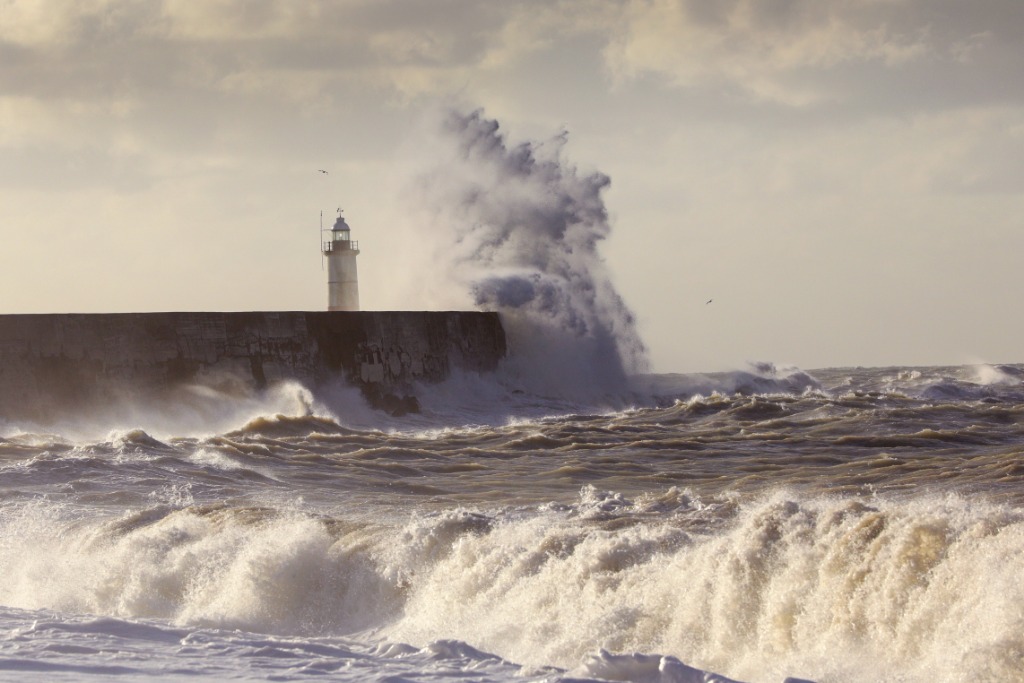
[708, 301]
[323, 171]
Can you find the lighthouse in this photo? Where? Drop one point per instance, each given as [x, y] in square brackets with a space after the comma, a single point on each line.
[342, 281]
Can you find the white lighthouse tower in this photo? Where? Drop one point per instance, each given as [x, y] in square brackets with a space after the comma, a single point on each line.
[342, 280]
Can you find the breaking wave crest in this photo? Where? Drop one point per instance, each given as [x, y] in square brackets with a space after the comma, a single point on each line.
[516, 228]
[755, 590]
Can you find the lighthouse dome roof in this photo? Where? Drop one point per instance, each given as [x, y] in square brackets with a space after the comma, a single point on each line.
[340, 224]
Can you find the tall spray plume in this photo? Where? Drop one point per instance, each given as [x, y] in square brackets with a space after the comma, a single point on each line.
[524, 226]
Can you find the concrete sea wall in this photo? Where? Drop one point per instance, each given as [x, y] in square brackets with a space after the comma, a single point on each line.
[51, 363]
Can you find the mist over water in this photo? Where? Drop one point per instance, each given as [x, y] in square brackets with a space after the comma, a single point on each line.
[518, 227]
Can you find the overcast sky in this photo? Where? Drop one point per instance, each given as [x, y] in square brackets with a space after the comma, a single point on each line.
[845, 178]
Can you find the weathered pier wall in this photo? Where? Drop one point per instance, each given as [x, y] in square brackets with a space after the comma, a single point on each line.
[50, 363]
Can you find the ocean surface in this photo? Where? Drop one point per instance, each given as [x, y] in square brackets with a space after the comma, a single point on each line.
[842, 525]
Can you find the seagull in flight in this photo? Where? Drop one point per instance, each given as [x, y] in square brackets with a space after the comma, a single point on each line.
[708, 301]
[323, 171]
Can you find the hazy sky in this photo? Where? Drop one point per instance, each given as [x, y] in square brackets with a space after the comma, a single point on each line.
[845, 178]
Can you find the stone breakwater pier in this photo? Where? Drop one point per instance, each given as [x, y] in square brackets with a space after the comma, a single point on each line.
[52, 363]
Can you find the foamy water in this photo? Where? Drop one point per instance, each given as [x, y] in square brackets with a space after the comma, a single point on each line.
[851, 525]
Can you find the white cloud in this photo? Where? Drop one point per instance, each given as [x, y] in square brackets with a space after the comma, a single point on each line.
[37, 23]
[235, 20]
[814, 52]
[532, 27]
[25, 118]
[27, 122]
[755, 44]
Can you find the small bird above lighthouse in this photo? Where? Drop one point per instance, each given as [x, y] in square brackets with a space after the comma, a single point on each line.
[341, 250]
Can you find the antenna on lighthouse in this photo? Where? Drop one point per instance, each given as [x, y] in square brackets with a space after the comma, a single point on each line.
[320, 241]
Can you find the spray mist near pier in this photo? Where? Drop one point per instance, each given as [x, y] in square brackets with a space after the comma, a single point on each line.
[515, 227]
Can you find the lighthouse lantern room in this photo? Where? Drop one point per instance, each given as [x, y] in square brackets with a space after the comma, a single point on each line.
[341, 250]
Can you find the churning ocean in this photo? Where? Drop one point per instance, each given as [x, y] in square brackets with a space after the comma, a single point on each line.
[845, 525]
[566, 518]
